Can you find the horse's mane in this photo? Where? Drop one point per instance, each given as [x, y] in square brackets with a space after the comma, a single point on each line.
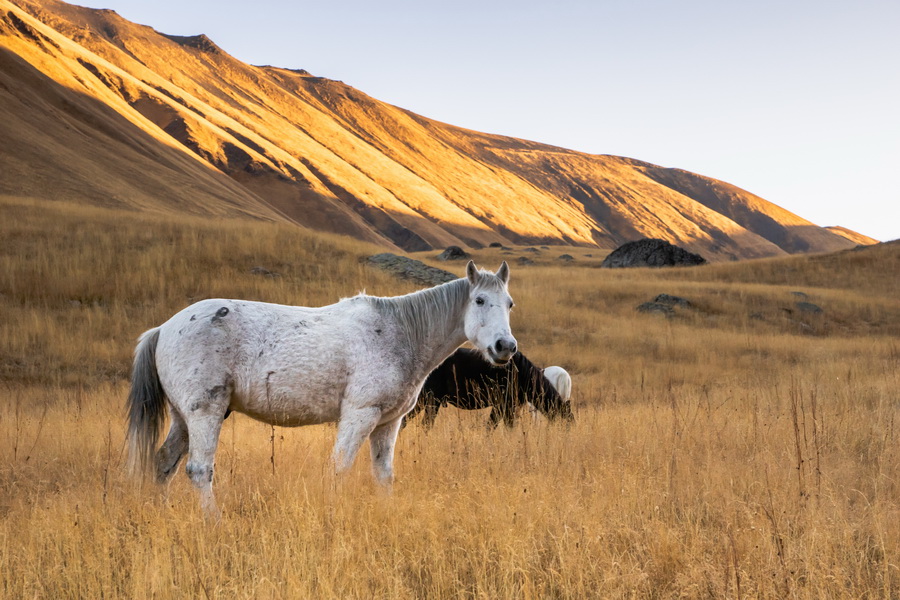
[419, 311]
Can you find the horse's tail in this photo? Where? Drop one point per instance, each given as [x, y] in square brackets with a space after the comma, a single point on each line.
[146, 405]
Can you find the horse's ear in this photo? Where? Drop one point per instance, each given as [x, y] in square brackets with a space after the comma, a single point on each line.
[503, 273]
[472, 273]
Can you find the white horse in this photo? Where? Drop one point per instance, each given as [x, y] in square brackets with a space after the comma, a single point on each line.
[561, 381]
[360, 362]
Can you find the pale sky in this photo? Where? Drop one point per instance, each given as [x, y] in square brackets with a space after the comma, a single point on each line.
[795, 101]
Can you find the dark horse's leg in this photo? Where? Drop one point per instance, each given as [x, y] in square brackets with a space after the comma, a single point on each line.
[504, 397]
[504, 411]
[427, 403]
[431, 411]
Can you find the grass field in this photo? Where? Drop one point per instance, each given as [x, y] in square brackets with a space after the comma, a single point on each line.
[741, 448]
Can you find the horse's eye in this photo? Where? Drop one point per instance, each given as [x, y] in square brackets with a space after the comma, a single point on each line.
[479, 301]
[511, 304]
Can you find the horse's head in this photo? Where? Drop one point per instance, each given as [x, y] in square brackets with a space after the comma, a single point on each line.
[487, 314]
[563, 411]
[553, 406]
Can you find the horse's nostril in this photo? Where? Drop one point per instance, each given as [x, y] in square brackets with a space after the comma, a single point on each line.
[499, 346]
[512, 348]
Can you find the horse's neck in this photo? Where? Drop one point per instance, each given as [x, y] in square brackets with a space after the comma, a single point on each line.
[436, 351]
[444, 331]
[439, 343]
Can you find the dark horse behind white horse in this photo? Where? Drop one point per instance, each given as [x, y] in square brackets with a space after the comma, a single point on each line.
[360, 362]
[465, 380]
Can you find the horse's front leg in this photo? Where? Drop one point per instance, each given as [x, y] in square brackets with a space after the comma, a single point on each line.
[354, 427]
[381, 442]
[412, 414]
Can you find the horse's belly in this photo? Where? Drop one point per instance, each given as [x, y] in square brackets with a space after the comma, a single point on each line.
[297, 418]
[289, 406]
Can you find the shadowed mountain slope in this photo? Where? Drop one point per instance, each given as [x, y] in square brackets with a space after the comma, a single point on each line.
[98, 109]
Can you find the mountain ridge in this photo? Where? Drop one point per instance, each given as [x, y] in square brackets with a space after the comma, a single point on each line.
[212, 135]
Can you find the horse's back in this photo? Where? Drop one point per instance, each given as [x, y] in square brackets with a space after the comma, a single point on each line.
[288, 365]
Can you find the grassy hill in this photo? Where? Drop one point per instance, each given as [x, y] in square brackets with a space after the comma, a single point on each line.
[744, 447]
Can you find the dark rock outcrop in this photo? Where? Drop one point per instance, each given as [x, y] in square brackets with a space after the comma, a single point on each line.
[650, 252]
[664, 304]
[655, 307]
[453, 253]
[408, 268]
[673, 301]
[264, 272]
[809, 307]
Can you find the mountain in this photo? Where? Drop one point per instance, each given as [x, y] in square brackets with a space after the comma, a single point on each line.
[96, 109]
[856, 238]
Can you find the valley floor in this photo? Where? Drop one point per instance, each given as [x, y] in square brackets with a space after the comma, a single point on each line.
[741, 447]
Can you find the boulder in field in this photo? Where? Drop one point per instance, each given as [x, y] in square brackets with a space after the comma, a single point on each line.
[809, 307]
[655, 307]
[650, 252]
[664, 304]
[673, 301]
[453, 253]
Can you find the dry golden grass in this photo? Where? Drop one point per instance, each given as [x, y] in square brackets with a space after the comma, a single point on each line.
[715, 454]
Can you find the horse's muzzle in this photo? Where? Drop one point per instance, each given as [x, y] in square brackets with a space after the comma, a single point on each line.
[502, 351]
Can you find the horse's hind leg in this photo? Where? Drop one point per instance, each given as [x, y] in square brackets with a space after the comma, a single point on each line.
[204, 423]
[173, 448]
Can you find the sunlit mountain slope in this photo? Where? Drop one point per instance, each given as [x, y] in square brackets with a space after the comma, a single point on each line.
[94, 108]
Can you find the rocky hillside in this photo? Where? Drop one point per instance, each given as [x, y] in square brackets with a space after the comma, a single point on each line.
[96, 109]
